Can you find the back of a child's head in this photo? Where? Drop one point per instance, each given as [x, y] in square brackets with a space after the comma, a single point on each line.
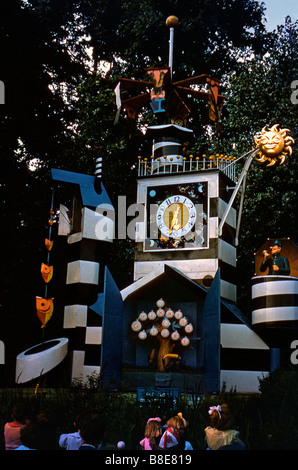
[93, 429]
[19, 413]
[220, 417]
[80, 419]
[151, 428]
[177, 423]
[39, 434]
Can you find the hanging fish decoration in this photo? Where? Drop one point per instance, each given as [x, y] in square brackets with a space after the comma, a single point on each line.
[46, 272]
[44, 309]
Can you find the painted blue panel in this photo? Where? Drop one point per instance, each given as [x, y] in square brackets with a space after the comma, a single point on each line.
[232, 307]
[98, 306]
[212, 336]
[111, 354]
[274, 359]
[86, 182]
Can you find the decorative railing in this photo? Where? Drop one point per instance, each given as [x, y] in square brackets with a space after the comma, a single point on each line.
[178, 164]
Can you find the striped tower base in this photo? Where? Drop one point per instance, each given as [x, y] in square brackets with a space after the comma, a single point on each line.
[275, 307]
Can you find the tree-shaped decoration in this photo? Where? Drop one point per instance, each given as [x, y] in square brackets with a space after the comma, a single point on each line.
[169, 328]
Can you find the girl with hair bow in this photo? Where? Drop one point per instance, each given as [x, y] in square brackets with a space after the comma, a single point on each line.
[173, 434]
[220, 435]
[215, 408]
[151, 428]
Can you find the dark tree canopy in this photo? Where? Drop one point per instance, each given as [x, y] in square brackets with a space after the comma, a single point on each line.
[207, 31]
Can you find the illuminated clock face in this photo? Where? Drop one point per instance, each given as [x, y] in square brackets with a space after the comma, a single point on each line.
[176, 216]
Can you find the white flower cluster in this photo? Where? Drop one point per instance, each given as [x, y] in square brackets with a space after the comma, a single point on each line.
[165, 319]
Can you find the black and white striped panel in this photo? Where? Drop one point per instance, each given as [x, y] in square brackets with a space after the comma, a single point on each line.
[227, 254]
[98, 174]
[274, 300]
[167, 146]
[166, 152]
[226, 251]
[244, 357]
[98, 167]
[84, 326]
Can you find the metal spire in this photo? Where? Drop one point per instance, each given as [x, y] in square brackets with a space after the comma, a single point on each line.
[171, 22]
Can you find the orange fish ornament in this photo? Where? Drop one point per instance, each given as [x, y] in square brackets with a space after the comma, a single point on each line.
[44, 309]
[46, 272]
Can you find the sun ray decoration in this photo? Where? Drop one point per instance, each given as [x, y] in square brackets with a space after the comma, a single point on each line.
[274, 145]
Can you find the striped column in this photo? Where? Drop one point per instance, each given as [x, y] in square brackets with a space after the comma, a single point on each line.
[85, 255]
[98, 172]
[98, 167]
[226, 251]
[275, 301]
[83, 325]
[167, 151]
[167, 146]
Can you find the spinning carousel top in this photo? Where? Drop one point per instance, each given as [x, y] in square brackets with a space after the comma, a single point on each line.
[165, 96]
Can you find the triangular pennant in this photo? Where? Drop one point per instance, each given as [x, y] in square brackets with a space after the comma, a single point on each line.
[214, 84]
[48, 244]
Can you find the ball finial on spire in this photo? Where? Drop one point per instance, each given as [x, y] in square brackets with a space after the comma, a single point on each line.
[172, 21]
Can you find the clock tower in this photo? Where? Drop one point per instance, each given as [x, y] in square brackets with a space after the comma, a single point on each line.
[185, 200]
[189, 222]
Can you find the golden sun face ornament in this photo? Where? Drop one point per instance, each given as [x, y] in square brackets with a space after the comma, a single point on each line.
[274, 145]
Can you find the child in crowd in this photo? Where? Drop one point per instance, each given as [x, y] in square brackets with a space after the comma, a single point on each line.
[220, 435]
[38, 434]
[72, 441]
[149, 442]
[188, 445]
[12, 429]
[173, 437]
[93, 433]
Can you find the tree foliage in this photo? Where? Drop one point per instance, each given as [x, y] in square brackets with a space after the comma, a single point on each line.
[259, 95]
[207, 32]
[35, 64]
